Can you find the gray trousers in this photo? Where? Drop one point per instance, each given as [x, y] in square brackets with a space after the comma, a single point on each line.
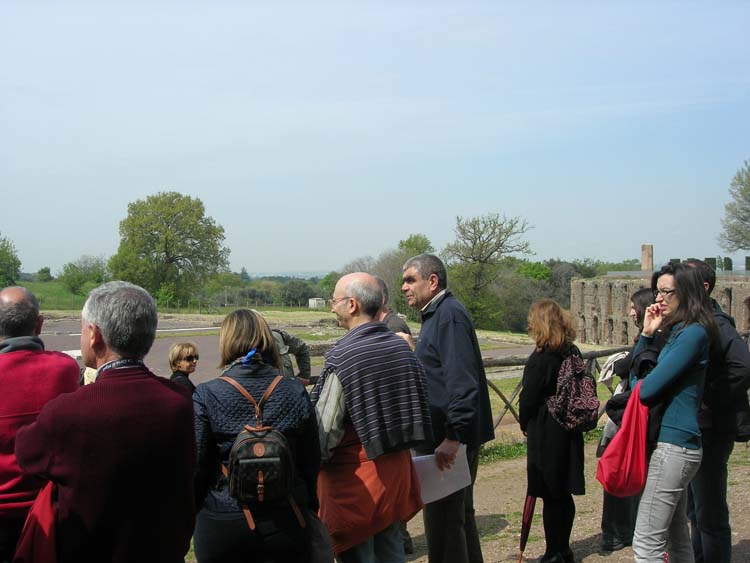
[662, 523]
[449, 523]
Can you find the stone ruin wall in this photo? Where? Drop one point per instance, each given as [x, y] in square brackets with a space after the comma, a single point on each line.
[600, 306]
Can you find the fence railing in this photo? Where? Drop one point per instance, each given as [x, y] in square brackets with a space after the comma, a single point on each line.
[510, 403]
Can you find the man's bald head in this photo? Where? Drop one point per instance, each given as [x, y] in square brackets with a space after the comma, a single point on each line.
[19, 313]
[364, 288]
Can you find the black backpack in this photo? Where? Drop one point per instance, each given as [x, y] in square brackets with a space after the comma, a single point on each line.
[575, 405]
[261, 463]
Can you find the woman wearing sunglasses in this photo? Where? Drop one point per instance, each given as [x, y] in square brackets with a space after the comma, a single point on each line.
[682, 312]
[183, 358]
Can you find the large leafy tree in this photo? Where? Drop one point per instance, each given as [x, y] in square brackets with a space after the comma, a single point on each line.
[475, 260]
[169, 245]
[736, 221]
[10, 265]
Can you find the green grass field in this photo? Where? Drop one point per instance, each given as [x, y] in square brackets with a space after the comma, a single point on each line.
[53, 295]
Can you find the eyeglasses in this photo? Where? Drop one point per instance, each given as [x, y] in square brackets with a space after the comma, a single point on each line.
[192, 358]
[664, 292]
[334, 301]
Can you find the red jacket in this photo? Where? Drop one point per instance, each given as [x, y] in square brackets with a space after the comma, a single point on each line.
[122, 454]
[28, 379]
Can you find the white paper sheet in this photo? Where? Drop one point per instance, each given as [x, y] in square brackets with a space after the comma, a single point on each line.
[438, 484]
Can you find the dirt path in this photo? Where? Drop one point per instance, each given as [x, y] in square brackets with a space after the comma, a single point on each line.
[499, 496]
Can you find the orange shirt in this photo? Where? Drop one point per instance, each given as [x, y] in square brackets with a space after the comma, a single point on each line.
[361, 497]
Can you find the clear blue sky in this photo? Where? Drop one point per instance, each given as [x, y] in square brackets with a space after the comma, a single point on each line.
[318, 132]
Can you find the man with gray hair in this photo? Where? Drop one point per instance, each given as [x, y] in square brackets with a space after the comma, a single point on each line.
[459, 403]
[120, 451]
[29, 377]
[371, 403]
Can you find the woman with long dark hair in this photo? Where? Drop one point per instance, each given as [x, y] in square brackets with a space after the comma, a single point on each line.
[250, 358]
[554, 464]
[618, 514]
[682, 312]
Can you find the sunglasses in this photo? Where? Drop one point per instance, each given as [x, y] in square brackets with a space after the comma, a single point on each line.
[192, 358]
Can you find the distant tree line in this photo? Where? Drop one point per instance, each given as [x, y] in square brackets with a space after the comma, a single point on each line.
[172, 248]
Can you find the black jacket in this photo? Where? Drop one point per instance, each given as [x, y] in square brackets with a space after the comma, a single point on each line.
[554, 461]
[183, 379]
[725, 406]
[639, 365]
[456, 382]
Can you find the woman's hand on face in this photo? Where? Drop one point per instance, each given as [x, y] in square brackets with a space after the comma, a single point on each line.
[652, 320]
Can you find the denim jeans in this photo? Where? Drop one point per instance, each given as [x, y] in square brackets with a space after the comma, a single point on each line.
[662, 524]
[384, 547]
[707, 501]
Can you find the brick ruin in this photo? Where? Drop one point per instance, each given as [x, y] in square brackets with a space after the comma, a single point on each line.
[600, 306]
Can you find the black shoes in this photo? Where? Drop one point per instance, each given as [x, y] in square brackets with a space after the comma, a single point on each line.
[612, 544]
[616, 546]
[564, 557]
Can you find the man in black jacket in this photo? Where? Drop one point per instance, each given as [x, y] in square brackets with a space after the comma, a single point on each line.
[725, 401]
[459, 403]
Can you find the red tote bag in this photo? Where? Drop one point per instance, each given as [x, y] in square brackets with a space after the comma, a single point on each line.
[37, 541]
[623, 468]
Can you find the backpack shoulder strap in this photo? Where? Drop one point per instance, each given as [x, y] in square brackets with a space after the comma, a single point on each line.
[247, 395]
[271, 388]
[257, 404]
[241, 389]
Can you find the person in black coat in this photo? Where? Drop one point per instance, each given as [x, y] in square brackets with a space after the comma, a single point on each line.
[554, 465]
[618, 514]
[723, 410]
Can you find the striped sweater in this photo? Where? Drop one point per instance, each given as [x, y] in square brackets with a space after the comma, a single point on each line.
[379, 381]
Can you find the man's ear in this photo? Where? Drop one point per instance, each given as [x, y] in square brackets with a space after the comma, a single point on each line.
[96, 340]
[38, 327]
[433, 281]
[353, 307]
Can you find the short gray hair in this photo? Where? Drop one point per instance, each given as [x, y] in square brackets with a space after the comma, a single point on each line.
[426, 265]
[367, 293]
[126, 316]
[19, 318]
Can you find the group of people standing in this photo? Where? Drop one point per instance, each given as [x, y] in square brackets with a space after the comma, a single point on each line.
[136, 465]
[694, 372]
